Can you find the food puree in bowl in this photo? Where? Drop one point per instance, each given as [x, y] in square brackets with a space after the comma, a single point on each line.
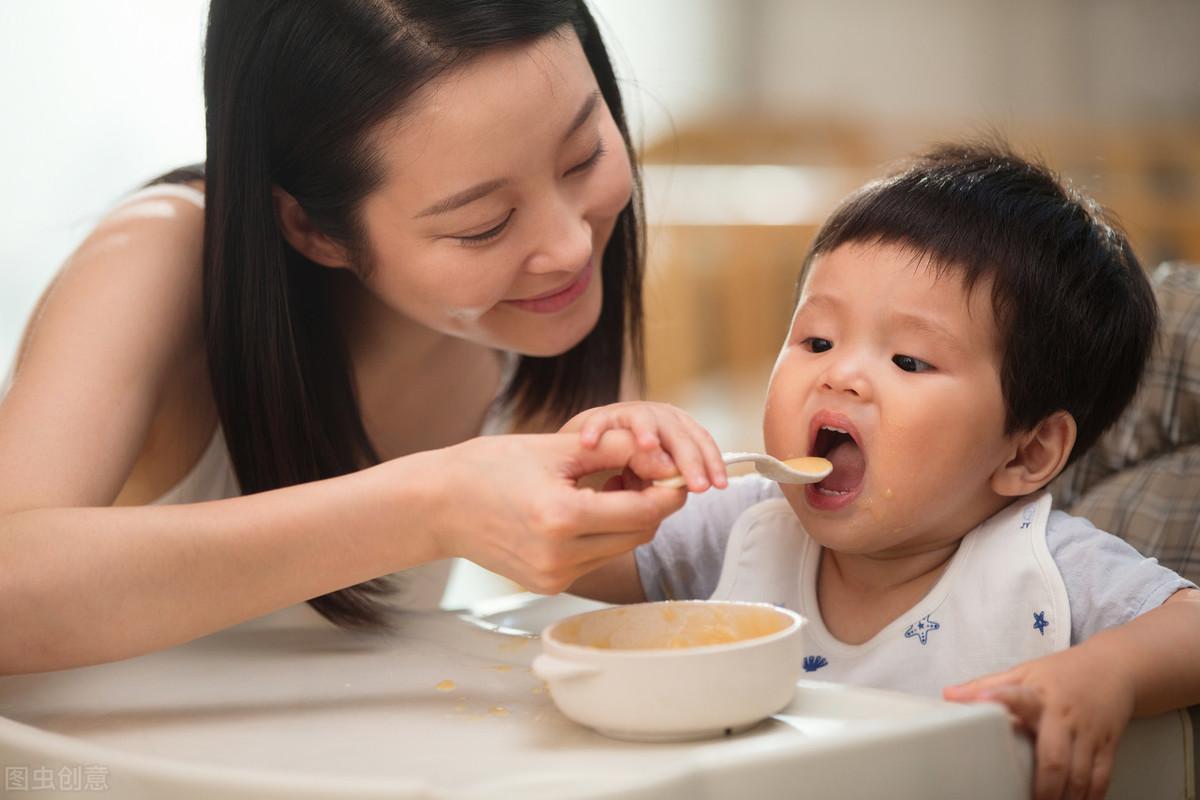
[670, 625]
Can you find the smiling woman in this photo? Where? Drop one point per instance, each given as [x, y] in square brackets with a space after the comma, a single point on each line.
[417, 221]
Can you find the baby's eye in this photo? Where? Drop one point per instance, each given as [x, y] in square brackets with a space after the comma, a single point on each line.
[910, 364]
[816, 344]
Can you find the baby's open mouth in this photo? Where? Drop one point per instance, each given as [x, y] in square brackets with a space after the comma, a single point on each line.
[843, 451]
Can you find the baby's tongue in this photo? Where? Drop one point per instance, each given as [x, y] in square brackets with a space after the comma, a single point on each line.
[848, 467]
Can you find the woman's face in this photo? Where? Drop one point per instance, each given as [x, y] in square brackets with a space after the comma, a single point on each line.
[504, 179]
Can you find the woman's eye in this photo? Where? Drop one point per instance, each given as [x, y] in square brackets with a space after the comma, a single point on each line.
[816, 344]
[910, 364]
[486, 236]
[591, 160]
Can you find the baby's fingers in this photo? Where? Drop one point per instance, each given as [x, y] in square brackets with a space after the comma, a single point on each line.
[1022, 702]
[972, 691]
[1083, 756]
[645, 429]
[711, 454]
[594, 427]
[1053, 762]
[640, 422]
[653, 465]
[1102, 770]
[688, 459]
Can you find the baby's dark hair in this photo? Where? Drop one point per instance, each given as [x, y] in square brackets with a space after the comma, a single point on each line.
[1075, 313]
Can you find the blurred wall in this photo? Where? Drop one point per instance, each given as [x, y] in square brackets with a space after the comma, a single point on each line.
[1066, 60]
[97, 97]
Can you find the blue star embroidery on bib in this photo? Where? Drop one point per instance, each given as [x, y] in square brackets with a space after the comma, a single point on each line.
[922, 628]
[814, 663]
[1039, 622]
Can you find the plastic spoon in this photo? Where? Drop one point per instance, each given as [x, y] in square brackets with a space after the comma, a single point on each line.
[806, 469]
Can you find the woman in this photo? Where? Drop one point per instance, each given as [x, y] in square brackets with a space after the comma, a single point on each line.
[263, 382]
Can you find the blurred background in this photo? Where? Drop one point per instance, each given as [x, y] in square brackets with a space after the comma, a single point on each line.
[754, 117]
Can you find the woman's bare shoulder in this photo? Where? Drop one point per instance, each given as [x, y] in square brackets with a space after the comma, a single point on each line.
[117, 328]
[144, 254]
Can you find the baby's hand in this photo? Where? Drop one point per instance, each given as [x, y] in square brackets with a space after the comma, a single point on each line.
[1076, 709]
[669, 441]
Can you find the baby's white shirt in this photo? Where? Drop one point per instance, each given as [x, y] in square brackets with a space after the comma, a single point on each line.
[956, 632]
[1027, 582]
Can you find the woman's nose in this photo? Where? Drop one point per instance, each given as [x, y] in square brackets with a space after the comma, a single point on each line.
[565, 241]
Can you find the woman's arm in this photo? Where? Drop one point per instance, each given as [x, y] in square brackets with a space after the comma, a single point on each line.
[94, 584]
[83, 582]
[86, 585]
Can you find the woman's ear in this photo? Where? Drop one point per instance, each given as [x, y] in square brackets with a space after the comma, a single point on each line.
[299, 232]
[1038, 456]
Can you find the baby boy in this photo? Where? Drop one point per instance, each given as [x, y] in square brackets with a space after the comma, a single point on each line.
[964, 330]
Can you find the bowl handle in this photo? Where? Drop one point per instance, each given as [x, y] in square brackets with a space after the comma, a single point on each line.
[549, 668]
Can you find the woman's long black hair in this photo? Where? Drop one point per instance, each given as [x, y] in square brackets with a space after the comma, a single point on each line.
[293, 89]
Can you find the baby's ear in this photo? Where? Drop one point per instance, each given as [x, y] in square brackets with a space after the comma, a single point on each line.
[1037, 456]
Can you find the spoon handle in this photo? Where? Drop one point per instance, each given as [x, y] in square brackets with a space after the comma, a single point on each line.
[731, 457]
[797, 470]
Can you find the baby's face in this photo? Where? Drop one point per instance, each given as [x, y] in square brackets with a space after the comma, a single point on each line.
[894, 375]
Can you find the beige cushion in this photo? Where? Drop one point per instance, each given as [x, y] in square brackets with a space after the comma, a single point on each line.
[1141, 481]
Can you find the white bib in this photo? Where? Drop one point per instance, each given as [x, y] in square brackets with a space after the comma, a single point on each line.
[1000, 601]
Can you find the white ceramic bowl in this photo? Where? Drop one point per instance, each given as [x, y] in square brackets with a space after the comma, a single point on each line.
[673, 670]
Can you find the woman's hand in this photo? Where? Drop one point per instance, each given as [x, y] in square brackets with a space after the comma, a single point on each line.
[1076, 704]
[669, 442]
[519, 511]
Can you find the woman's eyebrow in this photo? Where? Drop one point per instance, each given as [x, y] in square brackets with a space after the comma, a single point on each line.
[585, 111]
[480, 190]
[460, 199]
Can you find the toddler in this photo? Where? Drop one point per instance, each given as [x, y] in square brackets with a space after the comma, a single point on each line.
[963, 331]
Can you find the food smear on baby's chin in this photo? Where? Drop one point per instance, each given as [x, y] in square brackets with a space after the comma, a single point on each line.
[869, 506]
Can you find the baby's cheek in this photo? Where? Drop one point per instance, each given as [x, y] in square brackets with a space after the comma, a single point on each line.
[784, 434]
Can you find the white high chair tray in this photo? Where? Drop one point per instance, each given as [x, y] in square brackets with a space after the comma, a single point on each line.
[289, 707]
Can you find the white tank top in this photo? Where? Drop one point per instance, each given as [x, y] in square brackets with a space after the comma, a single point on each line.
[1000, 601]
[212, 477]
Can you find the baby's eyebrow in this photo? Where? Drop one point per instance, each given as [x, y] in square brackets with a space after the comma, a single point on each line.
[927, 326]
[819, 300]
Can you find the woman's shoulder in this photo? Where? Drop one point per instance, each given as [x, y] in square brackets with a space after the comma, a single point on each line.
[115, 347]
[163, 226]
[143, 257]
[161, 204]
[149, 246]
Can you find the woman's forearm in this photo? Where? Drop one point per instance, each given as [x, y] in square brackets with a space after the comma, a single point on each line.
[88, 585]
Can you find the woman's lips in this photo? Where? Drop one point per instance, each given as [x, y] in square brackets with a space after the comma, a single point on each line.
[559, 298]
